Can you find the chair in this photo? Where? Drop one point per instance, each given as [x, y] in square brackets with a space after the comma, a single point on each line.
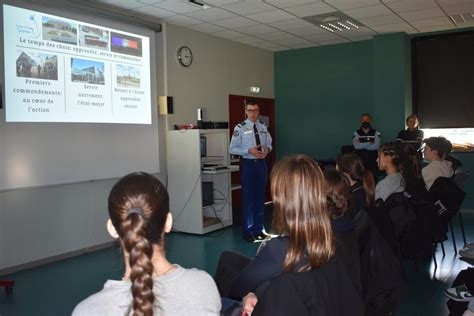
[447, 197]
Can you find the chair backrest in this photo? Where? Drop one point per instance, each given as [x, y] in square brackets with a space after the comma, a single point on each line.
[461, 178]
[447, 197]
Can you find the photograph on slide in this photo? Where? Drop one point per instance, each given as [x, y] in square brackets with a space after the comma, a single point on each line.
[93, 37]
[87, 71]
[128, 76]
[59, 31]
[31, 64]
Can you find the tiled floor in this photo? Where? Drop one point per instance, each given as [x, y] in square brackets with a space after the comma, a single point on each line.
[56, 288]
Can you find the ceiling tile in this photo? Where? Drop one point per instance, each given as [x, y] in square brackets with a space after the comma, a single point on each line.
[178, 7]
[308, 31]
[410, 5]
[303, 45]
[334, 41]
[289, 3]
[248, 7]
[212, 14]
[431, 22]
[290, 41]
[268, 45]
[124, 4]
[256, 29]
[275, 36]
[150, 1]
[207, 28]
[366, 12]
[154, 11]
[218, 3]
[436, 28]
[291, 24]
[228, 34]
[422, 14]
[248, 40]
[361, 38]
[451, 2]
[321, 37]
[393, 28]
[458, 8]
[310, 9]
[361, 31]
[381, 20]
[271, 16]
[236, 22]
[182, 20]
[346, 5]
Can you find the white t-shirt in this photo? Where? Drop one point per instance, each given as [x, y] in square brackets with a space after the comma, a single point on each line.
[180, 292]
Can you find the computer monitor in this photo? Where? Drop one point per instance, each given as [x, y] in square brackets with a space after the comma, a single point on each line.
[203, 146]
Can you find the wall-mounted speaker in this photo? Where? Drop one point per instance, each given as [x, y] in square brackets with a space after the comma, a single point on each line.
[165, 104]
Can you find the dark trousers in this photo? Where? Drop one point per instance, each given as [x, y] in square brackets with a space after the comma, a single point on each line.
[253, 174]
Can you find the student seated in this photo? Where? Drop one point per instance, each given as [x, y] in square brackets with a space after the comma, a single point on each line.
[436, 150]
[301, 220]
[389, 161]
[139, 217]
[360, 179]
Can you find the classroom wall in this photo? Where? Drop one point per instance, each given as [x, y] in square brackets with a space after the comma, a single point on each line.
[220, 67]
[49, 223]
[320, 93]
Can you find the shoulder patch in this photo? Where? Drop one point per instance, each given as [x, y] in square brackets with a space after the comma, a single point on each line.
[236, 132]
[261, 122]
[242, 123]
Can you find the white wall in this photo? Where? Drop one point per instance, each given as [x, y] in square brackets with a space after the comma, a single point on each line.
[40, 223]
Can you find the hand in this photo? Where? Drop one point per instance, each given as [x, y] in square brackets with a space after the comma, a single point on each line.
[248, 303]
[254, 151]
[266, 151]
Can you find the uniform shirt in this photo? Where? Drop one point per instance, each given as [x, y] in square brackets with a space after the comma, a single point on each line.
[369, 140]
[181, 292]
[244, 138]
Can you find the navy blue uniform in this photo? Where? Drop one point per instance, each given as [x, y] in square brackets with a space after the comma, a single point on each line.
[253, 172]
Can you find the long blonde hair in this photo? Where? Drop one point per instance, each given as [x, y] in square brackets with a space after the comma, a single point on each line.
[300, 212]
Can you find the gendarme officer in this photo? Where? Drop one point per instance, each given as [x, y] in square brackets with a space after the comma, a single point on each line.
[253, 142]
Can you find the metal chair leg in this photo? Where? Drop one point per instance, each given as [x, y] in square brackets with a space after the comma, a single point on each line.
[434, 260]
[452, 236]
[442, 248]
[462, 227]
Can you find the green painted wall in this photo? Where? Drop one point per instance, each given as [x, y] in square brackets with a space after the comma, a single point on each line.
[320, 93]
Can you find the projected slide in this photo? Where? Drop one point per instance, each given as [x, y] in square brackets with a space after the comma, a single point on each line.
[62, 70]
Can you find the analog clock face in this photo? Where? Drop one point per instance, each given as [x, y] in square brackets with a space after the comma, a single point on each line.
[185, 56]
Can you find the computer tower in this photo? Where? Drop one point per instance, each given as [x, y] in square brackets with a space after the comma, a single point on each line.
[207, 193]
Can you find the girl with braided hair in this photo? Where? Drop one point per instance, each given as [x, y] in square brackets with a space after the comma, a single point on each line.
[139, 217]
[389, 161]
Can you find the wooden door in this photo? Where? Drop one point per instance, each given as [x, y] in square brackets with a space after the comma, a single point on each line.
[237, 115]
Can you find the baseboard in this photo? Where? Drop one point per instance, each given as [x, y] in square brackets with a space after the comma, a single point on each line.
[37, 263]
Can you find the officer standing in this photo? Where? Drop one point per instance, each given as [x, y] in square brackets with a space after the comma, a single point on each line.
[253, 142]
[366, 141]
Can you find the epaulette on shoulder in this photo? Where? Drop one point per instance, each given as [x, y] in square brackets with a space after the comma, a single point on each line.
[242, 123]
[262, 122]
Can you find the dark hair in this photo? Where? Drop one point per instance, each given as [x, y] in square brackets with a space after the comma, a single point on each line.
[405, 158]
[251, 102]
[352, 165]
[140, 230]
[366, 114]
[410, 167]
[440, 144]
[299, 196]
[412, 116]
[338, 193]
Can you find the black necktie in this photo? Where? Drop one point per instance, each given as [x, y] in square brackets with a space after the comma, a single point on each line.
[257, 137]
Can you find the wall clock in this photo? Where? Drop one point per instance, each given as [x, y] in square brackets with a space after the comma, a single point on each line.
[185, 56]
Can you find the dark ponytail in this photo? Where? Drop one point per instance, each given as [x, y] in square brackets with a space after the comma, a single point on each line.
[138, 208]
[352, 165]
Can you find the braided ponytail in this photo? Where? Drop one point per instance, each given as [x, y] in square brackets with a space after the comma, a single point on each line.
[138, 208]
[141, 251]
